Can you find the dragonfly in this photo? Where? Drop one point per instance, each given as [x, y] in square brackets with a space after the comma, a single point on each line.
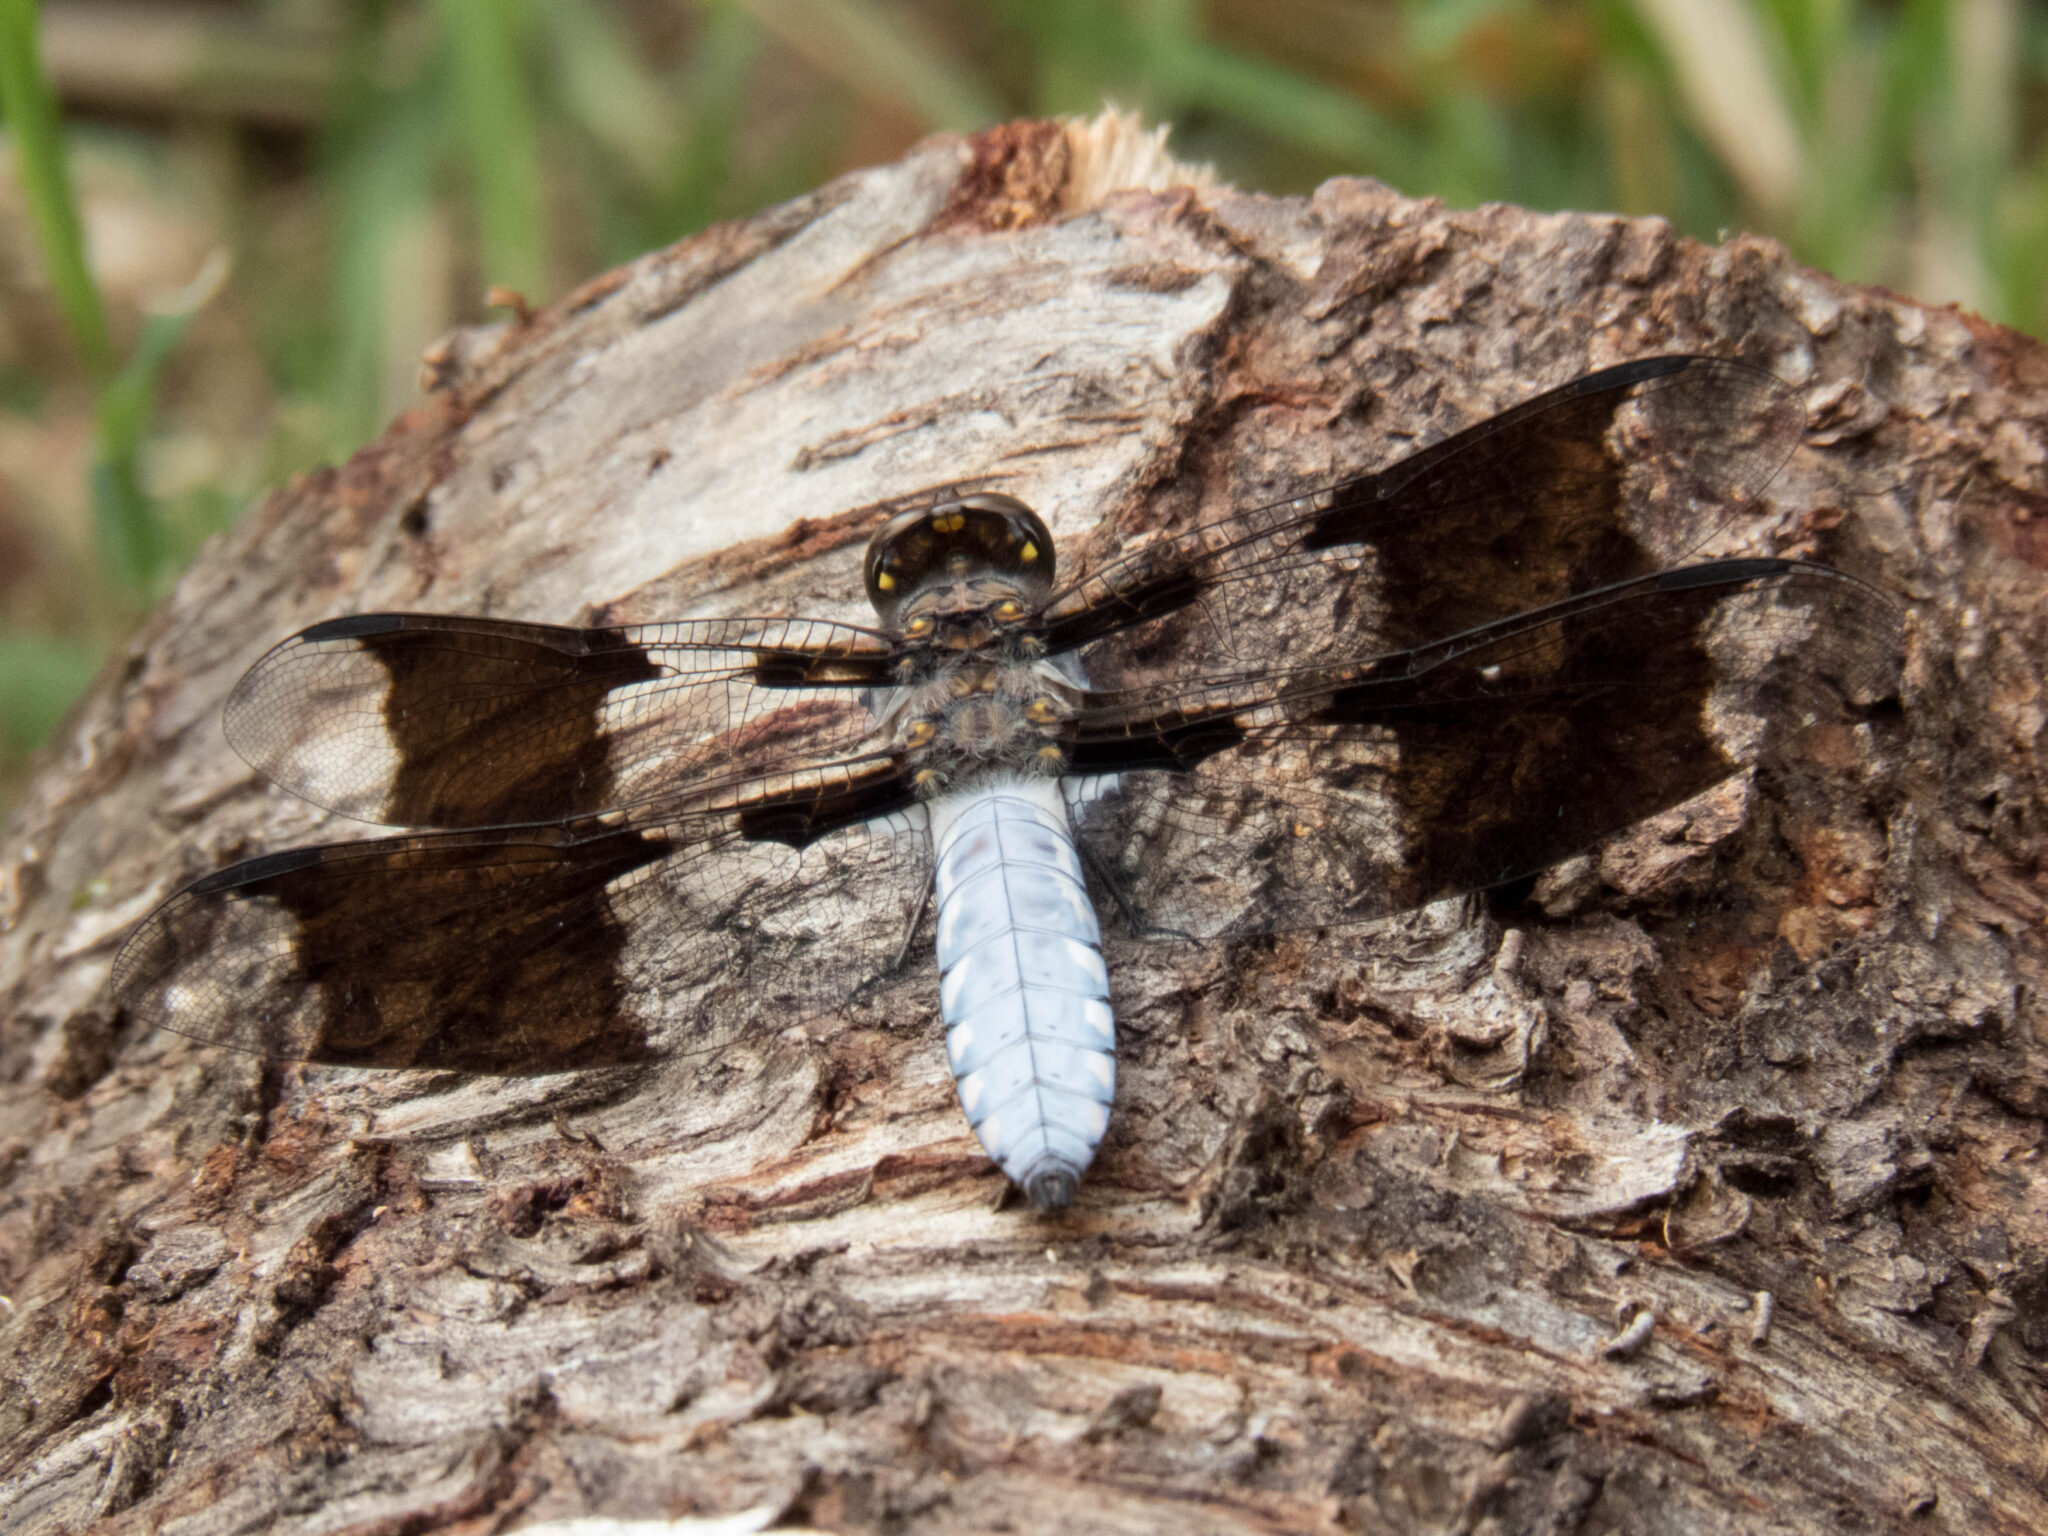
[1432, 678]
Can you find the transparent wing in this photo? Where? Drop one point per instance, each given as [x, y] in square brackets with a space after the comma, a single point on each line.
[433, 720]
[1613, 476]
[540, 948]
[1248, 806]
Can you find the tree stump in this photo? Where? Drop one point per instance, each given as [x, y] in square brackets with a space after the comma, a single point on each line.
[1698, 1191]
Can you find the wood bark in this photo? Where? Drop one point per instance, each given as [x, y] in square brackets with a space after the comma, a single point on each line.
[1698, 1191]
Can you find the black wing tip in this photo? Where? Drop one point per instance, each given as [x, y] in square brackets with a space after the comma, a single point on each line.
[1722, 573]
[1638, 369]
[1739, 570]
[1668, 365]
[252, 871]
[355, 626]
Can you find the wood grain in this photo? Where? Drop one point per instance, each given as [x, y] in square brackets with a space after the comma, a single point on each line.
[1379, 1212]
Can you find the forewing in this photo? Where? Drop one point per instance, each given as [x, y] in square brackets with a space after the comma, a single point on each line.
[1242, 808]
[1612, 476]
[542, 948]
[432, 720]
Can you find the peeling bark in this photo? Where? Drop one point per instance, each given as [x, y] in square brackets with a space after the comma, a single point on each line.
[1696, 1191]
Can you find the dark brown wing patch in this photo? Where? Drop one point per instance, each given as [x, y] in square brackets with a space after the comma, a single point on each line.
[1475, 760]
[1609, 477]
[442, 720]
[493, 722]
[529, 949]
[488, 952]
[1556, 495]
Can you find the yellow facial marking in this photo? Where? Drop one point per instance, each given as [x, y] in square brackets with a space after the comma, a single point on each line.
[1009, 610]
[949, 522]
[1028, 553]
[921, 625]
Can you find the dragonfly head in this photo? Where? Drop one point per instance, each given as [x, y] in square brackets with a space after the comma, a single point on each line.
[966, 557]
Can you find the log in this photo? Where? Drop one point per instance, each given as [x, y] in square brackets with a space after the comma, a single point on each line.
[1699, 1190]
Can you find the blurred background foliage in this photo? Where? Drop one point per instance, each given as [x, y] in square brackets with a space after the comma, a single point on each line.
[227, 230]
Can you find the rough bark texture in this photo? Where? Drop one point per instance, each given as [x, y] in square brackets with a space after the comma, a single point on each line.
[1372, 1202]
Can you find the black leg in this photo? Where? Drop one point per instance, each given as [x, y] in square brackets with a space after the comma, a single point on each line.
[924, 901]
[1133, 918]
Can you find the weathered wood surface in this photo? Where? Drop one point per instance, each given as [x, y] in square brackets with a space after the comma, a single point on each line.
[1369, 1208]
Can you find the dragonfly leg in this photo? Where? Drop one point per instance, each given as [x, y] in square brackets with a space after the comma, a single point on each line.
[1134, 919]
[924, 902]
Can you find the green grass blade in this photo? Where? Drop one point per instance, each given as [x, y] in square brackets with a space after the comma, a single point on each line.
[880, 56]
[382, 178]
[40, 675]
[1721, 64]
[2020, 255]
[1294, 109]
[134, 544]
[486, 41]
[31, 114]
[601, 84]
[715, 89]
[1078, 51]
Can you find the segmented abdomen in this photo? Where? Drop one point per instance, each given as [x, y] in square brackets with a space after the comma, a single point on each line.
[1022, 985]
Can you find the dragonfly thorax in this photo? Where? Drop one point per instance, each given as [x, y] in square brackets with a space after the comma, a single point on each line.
[975, 717]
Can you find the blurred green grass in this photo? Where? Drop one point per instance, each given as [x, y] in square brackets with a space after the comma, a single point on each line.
[227, 230]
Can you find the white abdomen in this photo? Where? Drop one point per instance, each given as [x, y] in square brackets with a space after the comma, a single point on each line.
[1022, 987]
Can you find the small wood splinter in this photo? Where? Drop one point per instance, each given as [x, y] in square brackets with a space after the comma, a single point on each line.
[1760, 1329]
[1631, 1338]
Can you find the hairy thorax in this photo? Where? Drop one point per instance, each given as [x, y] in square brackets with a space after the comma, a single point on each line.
[977, 715]
[959, 585]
